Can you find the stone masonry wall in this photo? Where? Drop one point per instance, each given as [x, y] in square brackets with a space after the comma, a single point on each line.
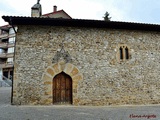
[104, 79]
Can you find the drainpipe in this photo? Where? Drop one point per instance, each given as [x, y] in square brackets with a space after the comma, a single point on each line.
[13, 59]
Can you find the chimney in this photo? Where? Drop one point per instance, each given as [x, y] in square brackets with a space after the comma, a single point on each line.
[55, 8]
[36, 10]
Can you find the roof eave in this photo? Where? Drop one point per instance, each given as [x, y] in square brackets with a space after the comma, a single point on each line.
[80, 23]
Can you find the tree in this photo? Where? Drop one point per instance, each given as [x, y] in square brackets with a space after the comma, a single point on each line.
[106, 17]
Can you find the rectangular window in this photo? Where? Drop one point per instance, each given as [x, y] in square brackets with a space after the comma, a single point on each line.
[12, 40]
[11, 50]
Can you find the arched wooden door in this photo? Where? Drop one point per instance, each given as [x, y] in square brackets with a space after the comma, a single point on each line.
[62, 89]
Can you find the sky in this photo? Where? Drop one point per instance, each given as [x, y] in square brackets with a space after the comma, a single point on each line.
[140, 11]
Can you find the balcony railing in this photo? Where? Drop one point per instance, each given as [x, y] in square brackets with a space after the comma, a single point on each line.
[6, 45]
[4, 35]
[6, 65]
[12, 35]
[6, 55]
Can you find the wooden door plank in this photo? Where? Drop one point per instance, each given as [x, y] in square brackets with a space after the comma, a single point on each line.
[62, 89]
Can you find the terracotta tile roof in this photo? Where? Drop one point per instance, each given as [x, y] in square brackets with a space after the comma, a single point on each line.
[57, 12]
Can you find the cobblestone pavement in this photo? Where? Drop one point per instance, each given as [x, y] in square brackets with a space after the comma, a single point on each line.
[9, 112]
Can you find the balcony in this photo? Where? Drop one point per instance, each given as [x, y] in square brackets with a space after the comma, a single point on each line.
[6, 45]
[4, 36]
[6, 55]
[12, 35]
[6, 65]
[7, 35]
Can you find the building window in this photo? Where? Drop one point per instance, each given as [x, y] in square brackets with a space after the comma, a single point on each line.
[10, 60]
[11, 50]
[123, 52]
[12, 40]
[126, 53]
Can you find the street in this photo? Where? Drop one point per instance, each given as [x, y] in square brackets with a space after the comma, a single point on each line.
[58, 112]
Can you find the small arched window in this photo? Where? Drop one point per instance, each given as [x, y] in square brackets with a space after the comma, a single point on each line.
[123, 53]
[126, 53]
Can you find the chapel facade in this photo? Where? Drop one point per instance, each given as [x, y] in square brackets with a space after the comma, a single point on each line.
[85, 62]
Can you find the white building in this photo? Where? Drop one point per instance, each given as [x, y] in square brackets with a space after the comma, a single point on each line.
[7, 43]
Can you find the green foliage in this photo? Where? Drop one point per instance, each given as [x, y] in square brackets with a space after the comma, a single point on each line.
[107, 17]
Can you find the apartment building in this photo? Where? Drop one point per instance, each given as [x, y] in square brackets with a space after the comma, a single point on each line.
[7, 43]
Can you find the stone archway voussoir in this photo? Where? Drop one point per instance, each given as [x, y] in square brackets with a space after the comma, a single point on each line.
[46, 77]
[50, 71]
[57, 68]
[77, 77]
[68, 68]
[74, 72]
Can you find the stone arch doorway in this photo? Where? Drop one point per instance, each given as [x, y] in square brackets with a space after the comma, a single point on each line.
[51, 72]
[62, 89]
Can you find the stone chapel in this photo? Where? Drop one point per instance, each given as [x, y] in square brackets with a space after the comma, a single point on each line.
[85, 62]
